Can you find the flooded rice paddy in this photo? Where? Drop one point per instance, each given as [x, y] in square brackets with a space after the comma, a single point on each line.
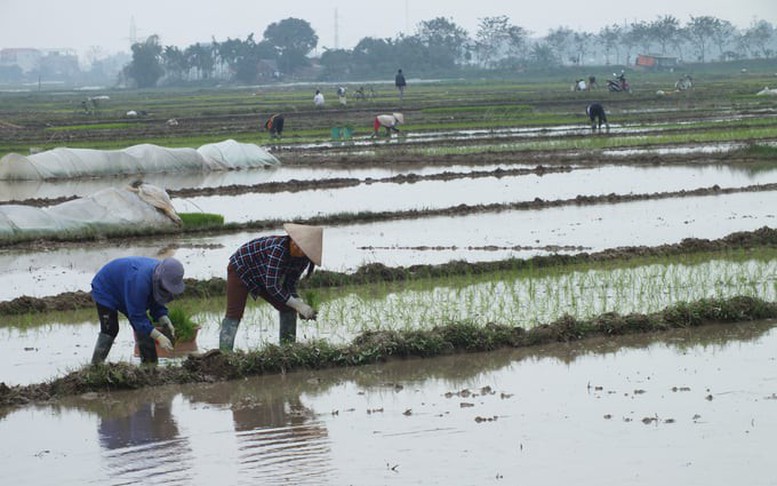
[376, 197]
[691, 407]
[474, 237]
[35, 350]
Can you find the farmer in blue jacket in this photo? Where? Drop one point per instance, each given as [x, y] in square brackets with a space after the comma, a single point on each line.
[137, 287]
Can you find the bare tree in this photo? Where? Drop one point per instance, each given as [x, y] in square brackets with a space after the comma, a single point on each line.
[664, 31]
[701, 32]
[610, 37]
[560, 41]
[759, 35]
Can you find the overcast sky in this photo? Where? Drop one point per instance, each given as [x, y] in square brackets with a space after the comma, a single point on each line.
[84, 24]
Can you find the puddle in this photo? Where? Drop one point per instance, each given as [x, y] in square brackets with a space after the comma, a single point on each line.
[685, 150]
[431, 240]
[449, 193]
[695, 405]
[21, 190]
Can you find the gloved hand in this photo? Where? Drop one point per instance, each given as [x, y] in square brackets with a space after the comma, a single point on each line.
[165, 321]
[162, 340]
[300, 306]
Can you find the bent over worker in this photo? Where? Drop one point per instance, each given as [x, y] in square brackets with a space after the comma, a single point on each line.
[270, 267]
[137, 287]
[389, 122]
[595, 112]
[274, 125]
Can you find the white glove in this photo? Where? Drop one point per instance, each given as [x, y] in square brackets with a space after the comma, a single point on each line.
[161, 340]
[165, 321]
[300, 306]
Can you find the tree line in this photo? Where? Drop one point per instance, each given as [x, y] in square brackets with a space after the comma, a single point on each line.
[441, 47]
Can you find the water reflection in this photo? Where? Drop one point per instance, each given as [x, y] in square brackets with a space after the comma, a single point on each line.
[279, 438]
[426, 421]
[141, 438]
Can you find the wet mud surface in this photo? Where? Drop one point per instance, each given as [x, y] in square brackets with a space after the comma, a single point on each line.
[695, 405]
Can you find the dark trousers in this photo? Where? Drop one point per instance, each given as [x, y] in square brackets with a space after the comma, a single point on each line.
[109, 320]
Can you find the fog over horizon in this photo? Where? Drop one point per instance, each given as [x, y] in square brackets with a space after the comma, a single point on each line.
[96, 29]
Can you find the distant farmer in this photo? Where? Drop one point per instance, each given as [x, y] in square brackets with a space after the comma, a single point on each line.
[318, 98]
[401, 84]
[137, 287]
[270, 267]
[389, 122]
[341, 90]
[592, 84]
[274, 125]
[595, 112]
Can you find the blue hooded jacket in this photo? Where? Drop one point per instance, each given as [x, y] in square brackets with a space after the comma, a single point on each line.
[125, 284]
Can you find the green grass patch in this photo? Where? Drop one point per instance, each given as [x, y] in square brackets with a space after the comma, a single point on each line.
[201, 220]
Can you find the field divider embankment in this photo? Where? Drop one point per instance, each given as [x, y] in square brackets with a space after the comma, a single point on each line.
[340, 219]
[379, 273]
[379, 346]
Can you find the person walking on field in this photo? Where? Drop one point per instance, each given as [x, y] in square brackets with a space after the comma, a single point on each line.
[270, 267]
[401, 84]
[596, 114]
[137, 287]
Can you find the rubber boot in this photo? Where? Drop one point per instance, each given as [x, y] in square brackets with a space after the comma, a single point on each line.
[147, 349]
[227, 333]
[102, 348]
[288, 327]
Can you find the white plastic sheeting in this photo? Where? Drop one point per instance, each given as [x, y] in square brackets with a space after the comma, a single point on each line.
[70, 163]
[105, 211]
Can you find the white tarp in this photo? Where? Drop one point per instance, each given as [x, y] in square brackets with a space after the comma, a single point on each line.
[105, 211]
[70, 163]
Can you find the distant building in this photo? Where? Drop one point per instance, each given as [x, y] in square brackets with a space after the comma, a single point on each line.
[650, 61]
[25, 58]
[50, 64]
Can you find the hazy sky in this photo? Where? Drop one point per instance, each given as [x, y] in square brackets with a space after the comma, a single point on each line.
[83, 24]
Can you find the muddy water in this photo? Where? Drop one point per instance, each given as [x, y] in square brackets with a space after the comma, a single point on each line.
[20, 190]
[491, 190]
[478, 237]
[688, 407]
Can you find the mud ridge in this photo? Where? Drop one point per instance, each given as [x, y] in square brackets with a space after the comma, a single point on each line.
[379, 346]
[376, 272]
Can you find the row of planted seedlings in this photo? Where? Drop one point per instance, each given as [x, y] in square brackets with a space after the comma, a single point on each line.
[382, 312]
[526, 296]
[514, 292]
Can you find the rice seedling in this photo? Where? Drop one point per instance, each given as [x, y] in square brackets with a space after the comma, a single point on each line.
[525, 298]
[185, 327]
[200, 220]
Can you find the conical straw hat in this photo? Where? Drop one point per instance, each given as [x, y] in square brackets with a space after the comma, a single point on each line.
[308, 238]
[400, 118]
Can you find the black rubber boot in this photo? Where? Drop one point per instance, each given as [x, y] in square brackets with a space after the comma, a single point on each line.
[227, 333]
[147, 349]
[288, 327]
[102, 348]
